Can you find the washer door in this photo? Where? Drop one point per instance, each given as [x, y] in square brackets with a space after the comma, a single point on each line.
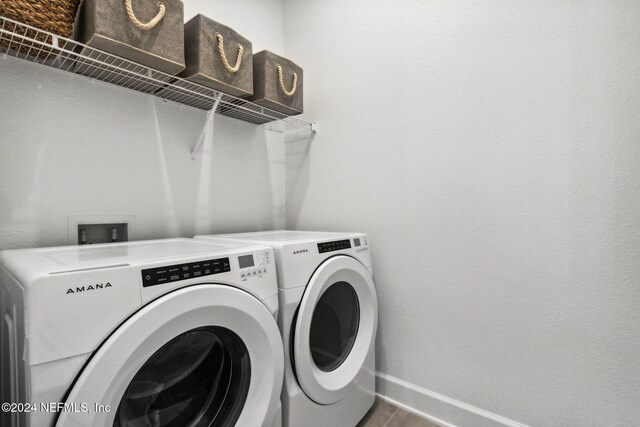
[335, 329]
[205, 355]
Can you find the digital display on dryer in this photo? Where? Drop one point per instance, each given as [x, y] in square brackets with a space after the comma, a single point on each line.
[246, 261]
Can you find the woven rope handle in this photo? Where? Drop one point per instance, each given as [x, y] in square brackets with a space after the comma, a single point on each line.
[144, 26]
[223, 56]
[281, 81]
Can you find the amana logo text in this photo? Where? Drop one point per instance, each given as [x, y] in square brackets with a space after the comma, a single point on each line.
[89, 288]
[300, 251]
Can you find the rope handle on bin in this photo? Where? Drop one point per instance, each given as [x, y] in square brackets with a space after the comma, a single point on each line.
[149, 25]
[281, 81]
[223, 56]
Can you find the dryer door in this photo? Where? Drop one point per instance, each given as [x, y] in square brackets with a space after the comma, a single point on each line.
[335, 329]
[205, 355]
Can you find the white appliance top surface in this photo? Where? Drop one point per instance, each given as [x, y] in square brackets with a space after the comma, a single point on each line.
[283, 236]
[70, 258]
[129, 252]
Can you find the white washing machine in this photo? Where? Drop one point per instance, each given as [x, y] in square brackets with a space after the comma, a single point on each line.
[328, 319]
[156, 333]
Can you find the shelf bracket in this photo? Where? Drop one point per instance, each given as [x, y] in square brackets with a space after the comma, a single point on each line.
[296, 162]
[313, 133]
[308, 133]
[209, 123]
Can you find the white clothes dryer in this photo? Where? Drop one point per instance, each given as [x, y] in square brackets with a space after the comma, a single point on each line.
[328, 320]
[155, 333]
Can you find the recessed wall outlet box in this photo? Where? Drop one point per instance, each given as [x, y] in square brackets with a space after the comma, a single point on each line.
[102, 233]
[91, 229]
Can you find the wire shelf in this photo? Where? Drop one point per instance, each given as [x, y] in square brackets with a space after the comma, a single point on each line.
[35, 45]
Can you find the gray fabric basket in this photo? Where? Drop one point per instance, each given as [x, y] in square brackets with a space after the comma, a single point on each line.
[267, 90]
[105, 25]
[205, 64]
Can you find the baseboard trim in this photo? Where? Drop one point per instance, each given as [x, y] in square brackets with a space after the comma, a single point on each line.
[433, 406]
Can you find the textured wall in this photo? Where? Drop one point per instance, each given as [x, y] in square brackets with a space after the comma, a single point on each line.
[72, 146]
[490, 150]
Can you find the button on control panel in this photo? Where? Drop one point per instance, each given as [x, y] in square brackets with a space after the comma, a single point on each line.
[174, 273]
[334, 246]
[254, 264]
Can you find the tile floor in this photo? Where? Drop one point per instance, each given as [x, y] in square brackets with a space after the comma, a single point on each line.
[384, 414]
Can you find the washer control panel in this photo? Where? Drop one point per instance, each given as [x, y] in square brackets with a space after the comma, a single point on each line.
[174, 273]
[334, 246]
[252, 265]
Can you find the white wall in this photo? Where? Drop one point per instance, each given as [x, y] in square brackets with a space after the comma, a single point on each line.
[72, 146]
[260, 21]
[490, 150]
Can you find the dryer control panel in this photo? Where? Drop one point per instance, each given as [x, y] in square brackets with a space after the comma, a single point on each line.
[254, 264]
[174, 273]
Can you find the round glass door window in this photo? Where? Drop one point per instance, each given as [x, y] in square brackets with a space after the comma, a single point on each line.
[334, 326]
[199, 378]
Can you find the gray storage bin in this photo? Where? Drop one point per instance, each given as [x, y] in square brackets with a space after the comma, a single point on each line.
[144, 31]
[218, 57]
[277, 83]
